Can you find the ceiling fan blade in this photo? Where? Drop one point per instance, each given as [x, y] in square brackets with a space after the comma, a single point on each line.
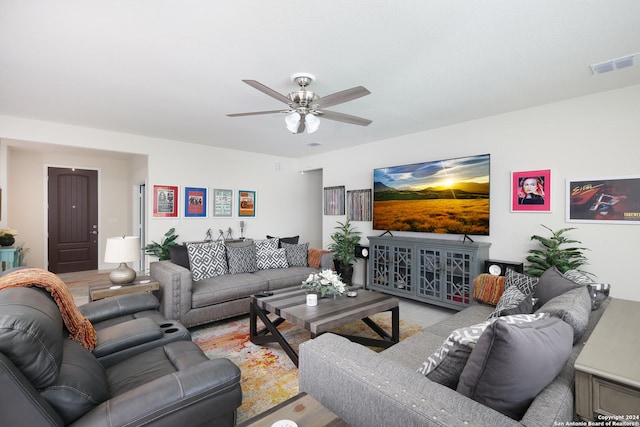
[340, 97]
[301, 125]
[256, 113]
[267, 90]
[342, 117]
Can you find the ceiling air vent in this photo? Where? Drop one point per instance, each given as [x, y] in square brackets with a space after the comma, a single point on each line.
[614, 64]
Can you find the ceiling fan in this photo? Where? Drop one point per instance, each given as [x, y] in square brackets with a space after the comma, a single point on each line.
[305, 106]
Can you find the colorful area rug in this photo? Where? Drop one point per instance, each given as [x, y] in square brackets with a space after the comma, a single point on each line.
[269, 377]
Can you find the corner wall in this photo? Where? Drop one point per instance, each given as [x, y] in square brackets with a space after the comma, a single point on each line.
[588, 137]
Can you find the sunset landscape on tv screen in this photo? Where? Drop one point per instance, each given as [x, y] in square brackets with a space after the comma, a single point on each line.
[443, 196]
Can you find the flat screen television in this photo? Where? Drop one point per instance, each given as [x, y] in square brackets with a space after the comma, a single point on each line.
[444, 196]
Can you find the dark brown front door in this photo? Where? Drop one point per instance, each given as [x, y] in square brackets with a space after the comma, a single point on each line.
[73, 220]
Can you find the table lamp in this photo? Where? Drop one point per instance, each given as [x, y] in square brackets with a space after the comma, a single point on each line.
[122, 250]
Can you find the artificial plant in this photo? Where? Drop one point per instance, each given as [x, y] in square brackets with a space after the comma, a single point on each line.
[553, 253]
[161, 250]
[344, 243]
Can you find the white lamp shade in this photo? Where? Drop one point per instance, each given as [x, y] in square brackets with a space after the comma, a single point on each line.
[291, 121]
[122, 249]
[312, 123]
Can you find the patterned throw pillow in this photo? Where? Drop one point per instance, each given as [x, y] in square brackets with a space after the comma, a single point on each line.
[241, 259]
[297, 255]
[207, 260]
[276, 258]
[513, 301]
[526, 284]
[266, 244]
[446, 364]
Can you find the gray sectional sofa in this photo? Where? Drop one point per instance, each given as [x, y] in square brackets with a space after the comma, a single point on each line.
[367, 388]
[187, 297]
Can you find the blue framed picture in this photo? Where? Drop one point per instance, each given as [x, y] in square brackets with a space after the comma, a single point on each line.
[195, 202]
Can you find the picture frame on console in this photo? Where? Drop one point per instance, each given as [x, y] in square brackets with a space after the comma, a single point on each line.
[165, 201]
[531, 191]
[613, 200]
[222, 203]
[195, 202]
[246, 203]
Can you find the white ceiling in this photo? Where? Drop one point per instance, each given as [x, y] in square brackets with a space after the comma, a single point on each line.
[173, 69]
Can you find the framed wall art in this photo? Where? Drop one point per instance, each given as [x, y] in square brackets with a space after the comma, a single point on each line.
[531, 191]
[604, 200]
[222, 203]
[359, 205]
[195, 202]
[246, 203]
[165, 201]
[334, 200]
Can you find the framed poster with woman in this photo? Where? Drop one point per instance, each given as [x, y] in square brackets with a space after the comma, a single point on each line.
[531, 191]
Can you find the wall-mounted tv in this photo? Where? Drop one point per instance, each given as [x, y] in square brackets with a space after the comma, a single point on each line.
[443, 196]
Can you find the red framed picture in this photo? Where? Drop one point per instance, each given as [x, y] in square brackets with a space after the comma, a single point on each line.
[531, 191]
[165, 201]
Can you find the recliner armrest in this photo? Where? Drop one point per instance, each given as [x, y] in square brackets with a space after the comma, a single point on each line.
[208, 390]
[125, 335]
[121, 305]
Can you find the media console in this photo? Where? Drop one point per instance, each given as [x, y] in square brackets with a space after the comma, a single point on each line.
[435, 271]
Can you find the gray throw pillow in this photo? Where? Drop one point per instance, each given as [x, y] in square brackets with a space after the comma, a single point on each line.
[551, 284]
[241, 259]
[574, 307]
[276, 258]
[526, 284]
[179, 255]
[510, 364]
[512, 301]
[207, 260]
[297, 255]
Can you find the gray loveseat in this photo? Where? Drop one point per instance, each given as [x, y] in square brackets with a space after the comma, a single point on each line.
[366, 388]
[195, 302]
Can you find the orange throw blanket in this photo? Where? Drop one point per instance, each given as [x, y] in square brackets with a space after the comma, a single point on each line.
[315, 256]
[80, 328]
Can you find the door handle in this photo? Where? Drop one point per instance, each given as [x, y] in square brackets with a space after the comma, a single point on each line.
[93, 232]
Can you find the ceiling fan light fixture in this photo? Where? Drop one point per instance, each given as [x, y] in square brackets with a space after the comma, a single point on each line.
[312, 123]
[291, 121]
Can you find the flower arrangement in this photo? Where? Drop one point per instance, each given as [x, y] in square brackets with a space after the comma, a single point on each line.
[325, 283]
[7, 232]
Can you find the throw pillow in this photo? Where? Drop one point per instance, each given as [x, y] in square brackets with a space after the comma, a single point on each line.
[207, 260]
[291, 240]
[551, 284]
[446, 364]
[266, 244]
[241, 259]
[296, 254]
[511, 363]
[179, 255]
[512, 301]
[488, 288]
[574, 307]
[276, 258]
[527, 284]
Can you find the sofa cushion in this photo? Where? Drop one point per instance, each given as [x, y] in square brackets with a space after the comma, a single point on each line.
[526, 284]
[81, 384]
[297, 255]
[445, 365]
[207, 260]
[241, 259]
[574, 307]
[513, 301]
[488, 288]
[228, 287]
[511, 363]
[275, 258]
[266, 244]
[279, 278]
[551, 284]
[179, 255]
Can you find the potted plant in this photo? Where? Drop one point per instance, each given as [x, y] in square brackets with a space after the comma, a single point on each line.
[343, 249]
[161, 250]
[551, 254]
[7, 236]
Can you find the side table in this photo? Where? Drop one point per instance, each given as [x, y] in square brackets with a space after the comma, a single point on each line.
[11, 256]
[607, 370]
[103, 288]
[303, 409]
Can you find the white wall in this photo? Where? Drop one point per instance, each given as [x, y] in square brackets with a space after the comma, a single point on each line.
[587, 137]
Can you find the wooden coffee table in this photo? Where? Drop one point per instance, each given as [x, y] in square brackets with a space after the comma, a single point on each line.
[290, 306]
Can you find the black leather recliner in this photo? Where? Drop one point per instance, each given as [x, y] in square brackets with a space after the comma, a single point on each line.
[46, 379]
[130, 324]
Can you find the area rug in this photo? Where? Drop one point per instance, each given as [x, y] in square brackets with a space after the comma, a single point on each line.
[269, 377]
